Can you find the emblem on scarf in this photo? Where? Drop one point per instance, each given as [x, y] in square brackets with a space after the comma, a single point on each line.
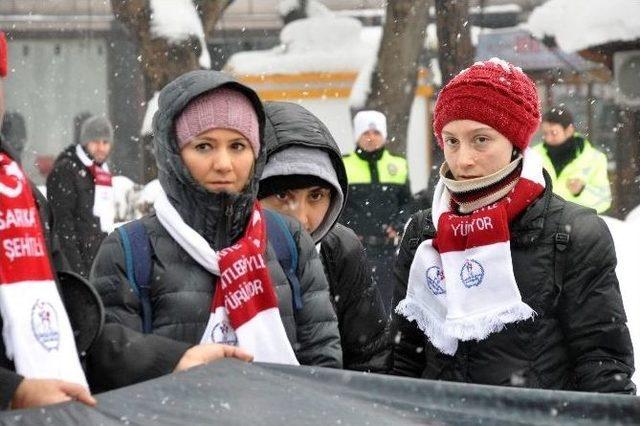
[435, 280]
[471, 273]
[223, 333]
[44, 323]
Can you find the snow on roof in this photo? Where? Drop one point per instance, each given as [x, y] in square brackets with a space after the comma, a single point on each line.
[579, 24]
[314, 8]
[316, 44]
[497, 8]
[177, 20]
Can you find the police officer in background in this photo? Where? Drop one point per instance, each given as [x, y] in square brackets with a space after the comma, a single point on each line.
[578, 170]
[379, 194]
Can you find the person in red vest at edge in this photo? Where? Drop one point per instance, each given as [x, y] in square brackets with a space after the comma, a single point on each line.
[39, 363]
[503, 282]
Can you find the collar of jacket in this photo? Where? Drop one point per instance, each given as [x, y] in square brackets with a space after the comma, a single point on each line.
[370, 156]
[527, 229]
[219, 217]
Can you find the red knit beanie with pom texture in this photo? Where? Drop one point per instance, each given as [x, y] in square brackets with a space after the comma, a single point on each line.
[494, 93]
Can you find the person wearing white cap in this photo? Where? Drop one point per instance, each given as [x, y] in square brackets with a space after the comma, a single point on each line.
[379, 194]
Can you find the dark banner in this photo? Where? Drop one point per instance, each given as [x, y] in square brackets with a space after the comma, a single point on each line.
[230, 392]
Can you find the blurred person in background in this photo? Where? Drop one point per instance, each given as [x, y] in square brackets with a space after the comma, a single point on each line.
[80, 192]
[578, 170]
[379, 196]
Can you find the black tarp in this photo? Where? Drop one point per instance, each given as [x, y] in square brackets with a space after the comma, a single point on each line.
[230, 392]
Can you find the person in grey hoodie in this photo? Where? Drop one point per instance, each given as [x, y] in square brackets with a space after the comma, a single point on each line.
[305, 178]
[211, 259]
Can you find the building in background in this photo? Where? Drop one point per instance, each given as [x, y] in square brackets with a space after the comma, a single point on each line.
[71, 57]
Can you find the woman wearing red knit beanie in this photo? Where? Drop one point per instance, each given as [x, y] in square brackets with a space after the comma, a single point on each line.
[501, 282]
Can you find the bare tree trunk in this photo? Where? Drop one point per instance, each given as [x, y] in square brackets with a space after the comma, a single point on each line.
[299, 12]
[162, 60]
[628, 164]
[394, 79]
[455, 51]
[210, 13]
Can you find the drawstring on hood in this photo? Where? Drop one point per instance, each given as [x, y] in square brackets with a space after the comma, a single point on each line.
[219, 217]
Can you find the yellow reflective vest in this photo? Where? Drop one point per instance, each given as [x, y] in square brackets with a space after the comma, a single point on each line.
[391, 169]
[590, 166]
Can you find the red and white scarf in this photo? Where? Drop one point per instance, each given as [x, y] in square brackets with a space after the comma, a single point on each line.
[461, 283]
[103, 201]
[36, 331]
[244, 309]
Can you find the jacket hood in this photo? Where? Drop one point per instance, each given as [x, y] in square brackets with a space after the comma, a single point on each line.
[69, 153]
[290, 125]
[219, 217]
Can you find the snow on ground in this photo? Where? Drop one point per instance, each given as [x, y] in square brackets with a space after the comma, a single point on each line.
[177, 20]
[579, 24]
[626, 236]
[634, 216]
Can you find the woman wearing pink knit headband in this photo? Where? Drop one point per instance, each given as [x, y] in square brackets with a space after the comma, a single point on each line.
[501, 282]
[216, 287]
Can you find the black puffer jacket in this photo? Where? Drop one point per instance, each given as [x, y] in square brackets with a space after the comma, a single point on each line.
[578, 340]
[70, 191]
[361, 317]
[363, 323]
[181, 290]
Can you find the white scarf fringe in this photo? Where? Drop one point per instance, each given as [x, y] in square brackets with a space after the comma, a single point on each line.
[465, 313]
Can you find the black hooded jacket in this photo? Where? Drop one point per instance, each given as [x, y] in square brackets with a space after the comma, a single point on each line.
[70, 191]
[361, 316]
[182, 290]
[578, 339]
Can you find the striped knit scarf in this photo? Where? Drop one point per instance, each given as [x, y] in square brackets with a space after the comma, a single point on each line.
[461, 283]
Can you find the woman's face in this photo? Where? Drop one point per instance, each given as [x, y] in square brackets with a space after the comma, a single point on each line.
[221, 160]
[308, 205]
[474, 150]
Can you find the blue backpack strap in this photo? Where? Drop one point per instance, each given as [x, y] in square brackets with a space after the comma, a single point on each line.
[137, 255]
[286, 251]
